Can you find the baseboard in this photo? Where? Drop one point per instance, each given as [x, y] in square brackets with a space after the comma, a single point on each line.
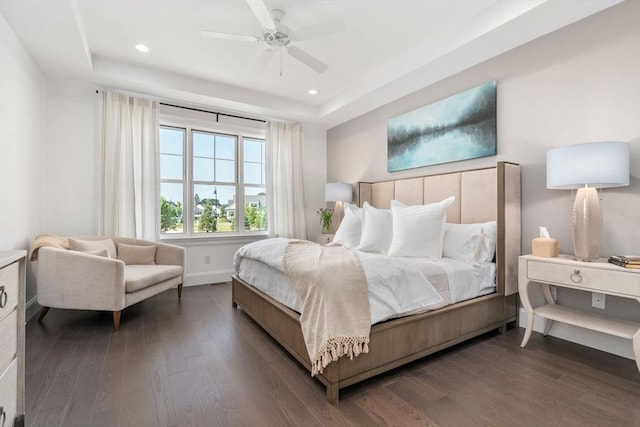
[208, 277]
[31, 308]
[607, 343]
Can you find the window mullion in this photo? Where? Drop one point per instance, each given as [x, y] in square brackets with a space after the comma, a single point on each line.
[240, 183]
[188, 184]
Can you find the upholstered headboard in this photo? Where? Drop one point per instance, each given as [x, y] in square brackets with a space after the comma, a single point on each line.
[481, 195]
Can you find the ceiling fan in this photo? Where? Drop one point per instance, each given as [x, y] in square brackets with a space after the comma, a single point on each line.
[277, 35]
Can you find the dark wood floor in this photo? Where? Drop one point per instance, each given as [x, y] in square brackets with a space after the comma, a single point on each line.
[200, 362]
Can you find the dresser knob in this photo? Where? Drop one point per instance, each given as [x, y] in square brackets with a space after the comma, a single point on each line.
[3, 300]
[576, 277]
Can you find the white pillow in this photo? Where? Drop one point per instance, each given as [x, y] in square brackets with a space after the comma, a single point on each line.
[488, 248]
[93, 245]
[418, 230]
[99, 252]
[137, 254]
[376, 230]
[470, 243]
[350, 229]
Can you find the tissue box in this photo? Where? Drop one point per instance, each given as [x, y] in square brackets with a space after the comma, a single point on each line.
[544, 247]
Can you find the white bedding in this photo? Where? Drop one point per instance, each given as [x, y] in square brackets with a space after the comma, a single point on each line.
[397, 286]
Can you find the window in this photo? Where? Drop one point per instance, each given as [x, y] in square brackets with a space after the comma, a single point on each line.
[210, 181]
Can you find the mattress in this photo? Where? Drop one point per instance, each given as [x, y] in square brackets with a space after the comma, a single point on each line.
[452, 280]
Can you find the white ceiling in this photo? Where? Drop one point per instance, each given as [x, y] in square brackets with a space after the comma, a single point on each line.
[390, 48]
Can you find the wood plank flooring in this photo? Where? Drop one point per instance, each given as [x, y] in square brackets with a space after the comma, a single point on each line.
[201, 363]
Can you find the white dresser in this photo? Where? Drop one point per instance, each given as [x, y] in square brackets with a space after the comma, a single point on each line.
[12, 320]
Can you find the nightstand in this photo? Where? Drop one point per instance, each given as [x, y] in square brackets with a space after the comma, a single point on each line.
[323, 239]
[564, 271]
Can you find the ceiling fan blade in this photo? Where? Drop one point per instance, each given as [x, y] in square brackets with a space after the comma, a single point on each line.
[228, 36]
[307, 59]
[261, 12]
[318, 30]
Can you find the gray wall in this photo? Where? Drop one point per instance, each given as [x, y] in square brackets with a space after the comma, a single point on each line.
[578, 84]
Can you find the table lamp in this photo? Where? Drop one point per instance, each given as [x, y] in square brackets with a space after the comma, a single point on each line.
[338, 192]
[586, 167]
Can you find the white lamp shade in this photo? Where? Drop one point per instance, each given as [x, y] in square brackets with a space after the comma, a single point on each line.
[597, 164]
[337, 192]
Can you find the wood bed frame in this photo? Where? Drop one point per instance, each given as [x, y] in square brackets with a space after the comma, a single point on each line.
[481, 195]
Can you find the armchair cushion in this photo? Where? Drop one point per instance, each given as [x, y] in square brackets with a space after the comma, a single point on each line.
[142, 276]
[93, 245]
[137, 255]
[99, 252]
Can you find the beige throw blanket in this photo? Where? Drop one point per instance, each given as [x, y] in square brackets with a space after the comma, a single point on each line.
[335, 319]
[48, 240]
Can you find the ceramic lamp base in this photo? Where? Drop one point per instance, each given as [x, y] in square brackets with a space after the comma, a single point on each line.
[587, 224]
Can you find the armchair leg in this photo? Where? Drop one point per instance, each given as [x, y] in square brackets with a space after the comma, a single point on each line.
[43, 312]
[116, 320]
[180, 291]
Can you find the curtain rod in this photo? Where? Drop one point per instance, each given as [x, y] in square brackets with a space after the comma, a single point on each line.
[218, 114]
[213, 112]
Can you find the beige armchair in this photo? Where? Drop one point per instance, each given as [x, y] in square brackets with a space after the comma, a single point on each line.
[92, 280]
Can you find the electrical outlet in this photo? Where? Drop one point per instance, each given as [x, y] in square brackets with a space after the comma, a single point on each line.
[597, 300]
[207, 259]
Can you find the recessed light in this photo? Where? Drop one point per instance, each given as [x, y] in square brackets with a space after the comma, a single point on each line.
[313, 91]
[142, 48]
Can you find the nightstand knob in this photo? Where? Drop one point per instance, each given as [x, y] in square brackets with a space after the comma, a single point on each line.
[576, 277]
[3, 299]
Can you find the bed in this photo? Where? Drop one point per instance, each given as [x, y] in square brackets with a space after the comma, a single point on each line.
[480, 195]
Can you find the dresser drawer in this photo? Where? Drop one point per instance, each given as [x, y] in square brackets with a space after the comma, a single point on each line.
[588, 278]
[8, 399]
[8, 289]
[8, 339]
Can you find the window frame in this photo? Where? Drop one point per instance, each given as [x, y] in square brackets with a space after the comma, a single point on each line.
[189, 125]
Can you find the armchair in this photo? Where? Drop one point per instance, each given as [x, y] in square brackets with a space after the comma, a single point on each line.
[72, 279]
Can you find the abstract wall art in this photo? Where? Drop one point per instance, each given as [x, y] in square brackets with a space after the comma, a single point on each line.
[460, 127]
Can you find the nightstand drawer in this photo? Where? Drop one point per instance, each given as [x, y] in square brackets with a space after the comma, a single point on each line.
[588, 278]
[8, 289]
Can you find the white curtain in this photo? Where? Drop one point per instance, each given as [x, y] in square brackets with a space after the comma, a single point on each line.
[285, 181]
[130, 167]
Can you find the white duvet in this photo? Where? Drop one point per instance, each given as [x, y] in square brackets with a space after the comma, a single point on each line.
[397, 285]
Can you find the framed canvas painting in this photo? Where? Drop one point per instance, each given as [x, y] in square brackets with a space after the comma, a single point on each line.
[460, 127]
